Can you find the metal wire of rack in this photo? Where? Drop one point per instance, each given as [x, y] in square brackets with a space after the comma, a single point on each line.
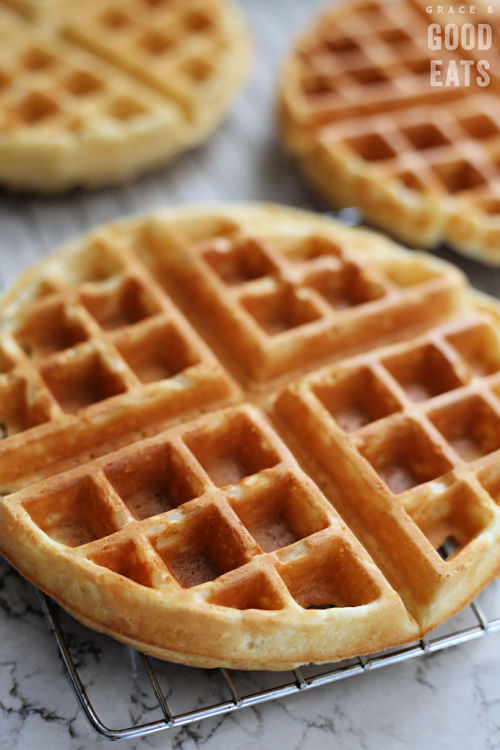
[481, 625]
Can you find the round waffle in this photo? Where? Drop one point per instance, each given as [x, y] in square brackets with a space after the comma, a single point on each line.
[97, 91]
[250, 436]
[358, 110]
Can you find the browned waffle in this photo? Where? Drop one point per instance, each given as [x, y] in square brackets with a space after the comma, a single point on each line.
[200, 538]
[94, 92]
[358, 110]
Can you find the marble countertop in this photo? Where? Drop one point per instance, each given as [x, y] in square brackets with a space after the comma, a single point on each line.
[447, 700]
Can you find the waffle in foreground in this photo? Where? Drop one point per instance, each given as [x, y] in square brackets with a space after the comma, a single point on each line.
[359, 111]
[261, 504]
[95, 92]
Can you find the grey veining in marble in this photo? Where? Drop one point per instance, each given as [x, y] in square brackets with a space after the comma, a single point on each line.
[449, 700]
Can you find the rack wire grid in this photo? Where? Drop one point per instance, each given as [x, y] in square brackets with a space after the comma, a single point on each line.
[258, 687]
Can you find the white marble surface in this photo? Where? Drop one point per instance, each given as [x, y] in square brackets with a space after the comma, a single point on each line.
[448, 700]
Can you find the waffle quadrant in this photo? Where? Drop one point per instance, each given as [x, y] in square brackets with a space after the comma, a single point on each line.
[250, 436]
[358, 110]
[93, 93]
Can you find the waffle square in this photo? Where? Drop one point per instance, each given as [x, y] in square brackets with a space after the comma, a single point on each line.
[405, 432]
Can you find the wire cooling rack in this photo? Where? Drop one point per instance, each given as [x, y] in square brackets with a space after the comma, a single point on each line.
[254, 690]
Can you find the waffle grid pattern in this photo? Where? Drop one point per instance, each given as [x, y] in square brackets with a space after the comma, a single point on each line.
[263, 522]
[372, 58]
[109, 332]
[421, 422]
[283, 303]
[98, 92]
[441, 150]
[172, 46]
[420, 160]
[45, 84]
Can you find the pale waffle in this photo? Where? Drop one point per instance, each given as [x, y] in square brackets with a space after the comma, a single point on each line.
[358, 110]
[151, 79]
[174, 463]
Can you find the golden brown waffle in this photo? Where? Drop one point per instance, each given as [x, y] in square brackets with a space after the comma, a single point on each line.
[358, 110]
[205, 538]
[96, 109]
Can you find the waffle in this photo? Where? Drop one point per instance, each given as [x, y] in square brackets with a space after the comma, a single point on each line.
[258, 504]
[358, 111]
[93, 93]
